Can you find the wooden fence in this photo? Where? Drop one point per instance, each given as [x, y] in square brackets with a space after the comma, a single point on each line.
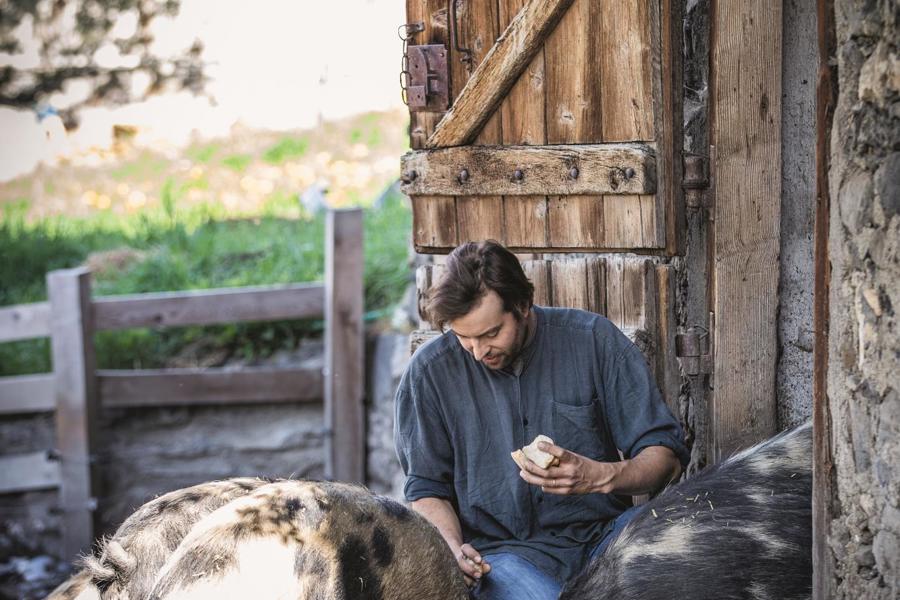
[76, 390]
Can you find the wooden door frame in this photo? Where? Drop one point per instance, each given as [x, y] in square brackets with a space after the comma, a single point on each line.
[823, 460]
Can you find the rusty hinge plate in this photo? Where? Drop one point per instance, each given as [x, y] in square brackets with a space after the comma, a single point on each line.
[693, 348]
[695, 179]
[428, 81]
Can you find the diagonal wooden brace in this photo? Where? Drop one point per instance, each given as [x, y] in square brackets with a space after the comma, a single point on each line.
[498, 72]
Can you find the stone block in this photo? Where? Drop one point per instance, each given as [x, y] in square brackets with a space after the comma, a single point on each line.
[887, 185]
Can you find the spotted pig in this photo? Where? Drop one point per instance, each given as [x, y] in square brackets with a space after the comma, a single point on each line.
[248, 538]
[741, 529]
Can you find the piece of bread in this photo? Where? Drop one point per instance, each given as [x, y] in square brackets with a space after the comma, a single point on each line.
[534, 454]
[519, 457]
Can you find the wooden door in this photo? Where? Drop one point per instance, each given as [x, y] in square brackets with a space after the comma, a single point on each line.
[564, 129]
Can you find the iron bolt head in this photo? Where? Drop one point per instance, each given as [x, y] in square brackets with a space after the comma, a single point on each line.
[573, 173]
[463, 176]
[518, 175]
[409, 177]
[629, 173]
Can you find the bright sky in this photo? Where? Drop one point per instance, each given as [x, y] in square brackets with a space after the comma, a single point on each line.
[275, 64]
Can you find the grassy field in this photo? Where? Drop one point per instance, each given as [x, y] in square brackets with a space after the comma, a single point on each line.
[156, 223]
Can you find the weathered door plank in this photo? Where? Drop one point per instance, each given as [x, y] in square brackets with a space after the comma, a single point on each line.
[746, 132]
[479, 217]
[434, 218]
[497, 73]
[522, 115]
[573, 115]
[626, 98]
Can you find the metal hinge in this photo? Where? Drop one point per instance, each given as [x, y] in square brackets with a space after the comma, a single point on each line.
[695, 180]
[424, 73]
[694, 349]
[428, 86]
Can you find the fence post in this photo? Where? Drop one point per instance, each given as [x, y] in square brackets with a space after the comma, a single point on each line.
[74, 373]
[345, 443]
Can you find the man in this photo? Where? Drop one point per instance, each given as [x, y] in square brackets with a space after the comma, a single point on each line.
[503, 372]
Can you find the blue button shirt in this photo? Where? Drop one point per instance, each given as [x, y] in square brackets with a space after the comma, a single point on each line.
[581, 382]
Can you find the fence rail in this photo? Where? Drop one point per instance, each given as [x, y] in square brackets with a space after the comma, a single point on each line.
[75, 391]
[180, 387]
[24, 322]
[209, 307]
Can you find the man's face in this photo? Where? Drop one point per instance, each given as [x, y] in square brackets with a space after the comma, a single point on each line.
[491, 335]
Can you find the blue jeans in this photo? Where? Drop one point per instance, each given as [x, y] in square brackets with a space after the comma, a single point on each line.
[514, 578]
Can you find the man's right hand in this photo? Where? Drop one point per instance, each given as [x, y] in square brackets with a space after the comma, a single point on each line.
[440, 513]
[471, 564]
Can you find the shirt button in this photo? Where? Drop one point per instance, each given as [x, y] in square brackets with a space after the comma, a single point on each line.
[525, 422]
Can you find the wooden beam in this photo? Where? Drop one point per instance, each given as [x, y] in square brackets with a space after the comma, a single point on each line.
[24, 321]
[28, 472]
[344, 351]
[823, 458]
[27, 394]
[76, 404]
[746, 133]
[531, 170]
[206, 307]
[195, 387]
[498, 72]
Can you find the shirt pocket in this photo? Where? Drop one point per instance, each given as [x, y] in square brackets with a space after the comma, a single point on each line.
[575, 428]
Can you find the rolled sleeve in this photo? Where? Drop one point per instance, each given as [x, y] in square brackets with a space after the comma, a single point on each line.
[417, 488]
[666, 440]
[637, 415]
[423, 446]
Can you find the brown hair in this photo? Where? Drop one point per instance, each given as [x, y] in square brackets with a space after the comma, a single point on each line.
[471, 270]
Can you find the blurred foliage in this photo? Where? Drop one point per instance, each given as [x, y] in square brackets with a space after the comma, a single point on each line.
[202, 154]
[198, 247]
[287, 148]
[237, 162]
[145, 165]
[72, 35]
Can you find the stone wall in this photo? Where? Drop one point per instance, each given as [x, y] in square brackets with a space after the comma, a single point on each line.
[864, 340]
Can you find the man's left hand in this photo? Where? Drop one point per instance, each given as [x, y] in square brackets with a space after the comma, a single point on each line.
[575, 474]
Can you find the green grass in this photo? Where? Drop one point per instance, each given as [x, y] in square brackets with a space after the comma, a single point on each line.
[194, 248]
[237, 162]
[146, 166]
[202, 154]
[287, 148]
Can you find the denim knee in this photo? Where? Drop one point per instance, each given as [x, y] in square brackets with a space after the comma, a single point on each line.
[514, 578]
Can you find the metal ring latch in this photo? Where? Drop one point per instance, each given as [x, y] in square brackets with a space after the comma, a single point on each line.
[406, 32]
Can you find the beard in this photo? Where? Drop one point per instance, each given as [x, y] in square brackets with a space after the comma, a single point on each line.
[507, 357]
